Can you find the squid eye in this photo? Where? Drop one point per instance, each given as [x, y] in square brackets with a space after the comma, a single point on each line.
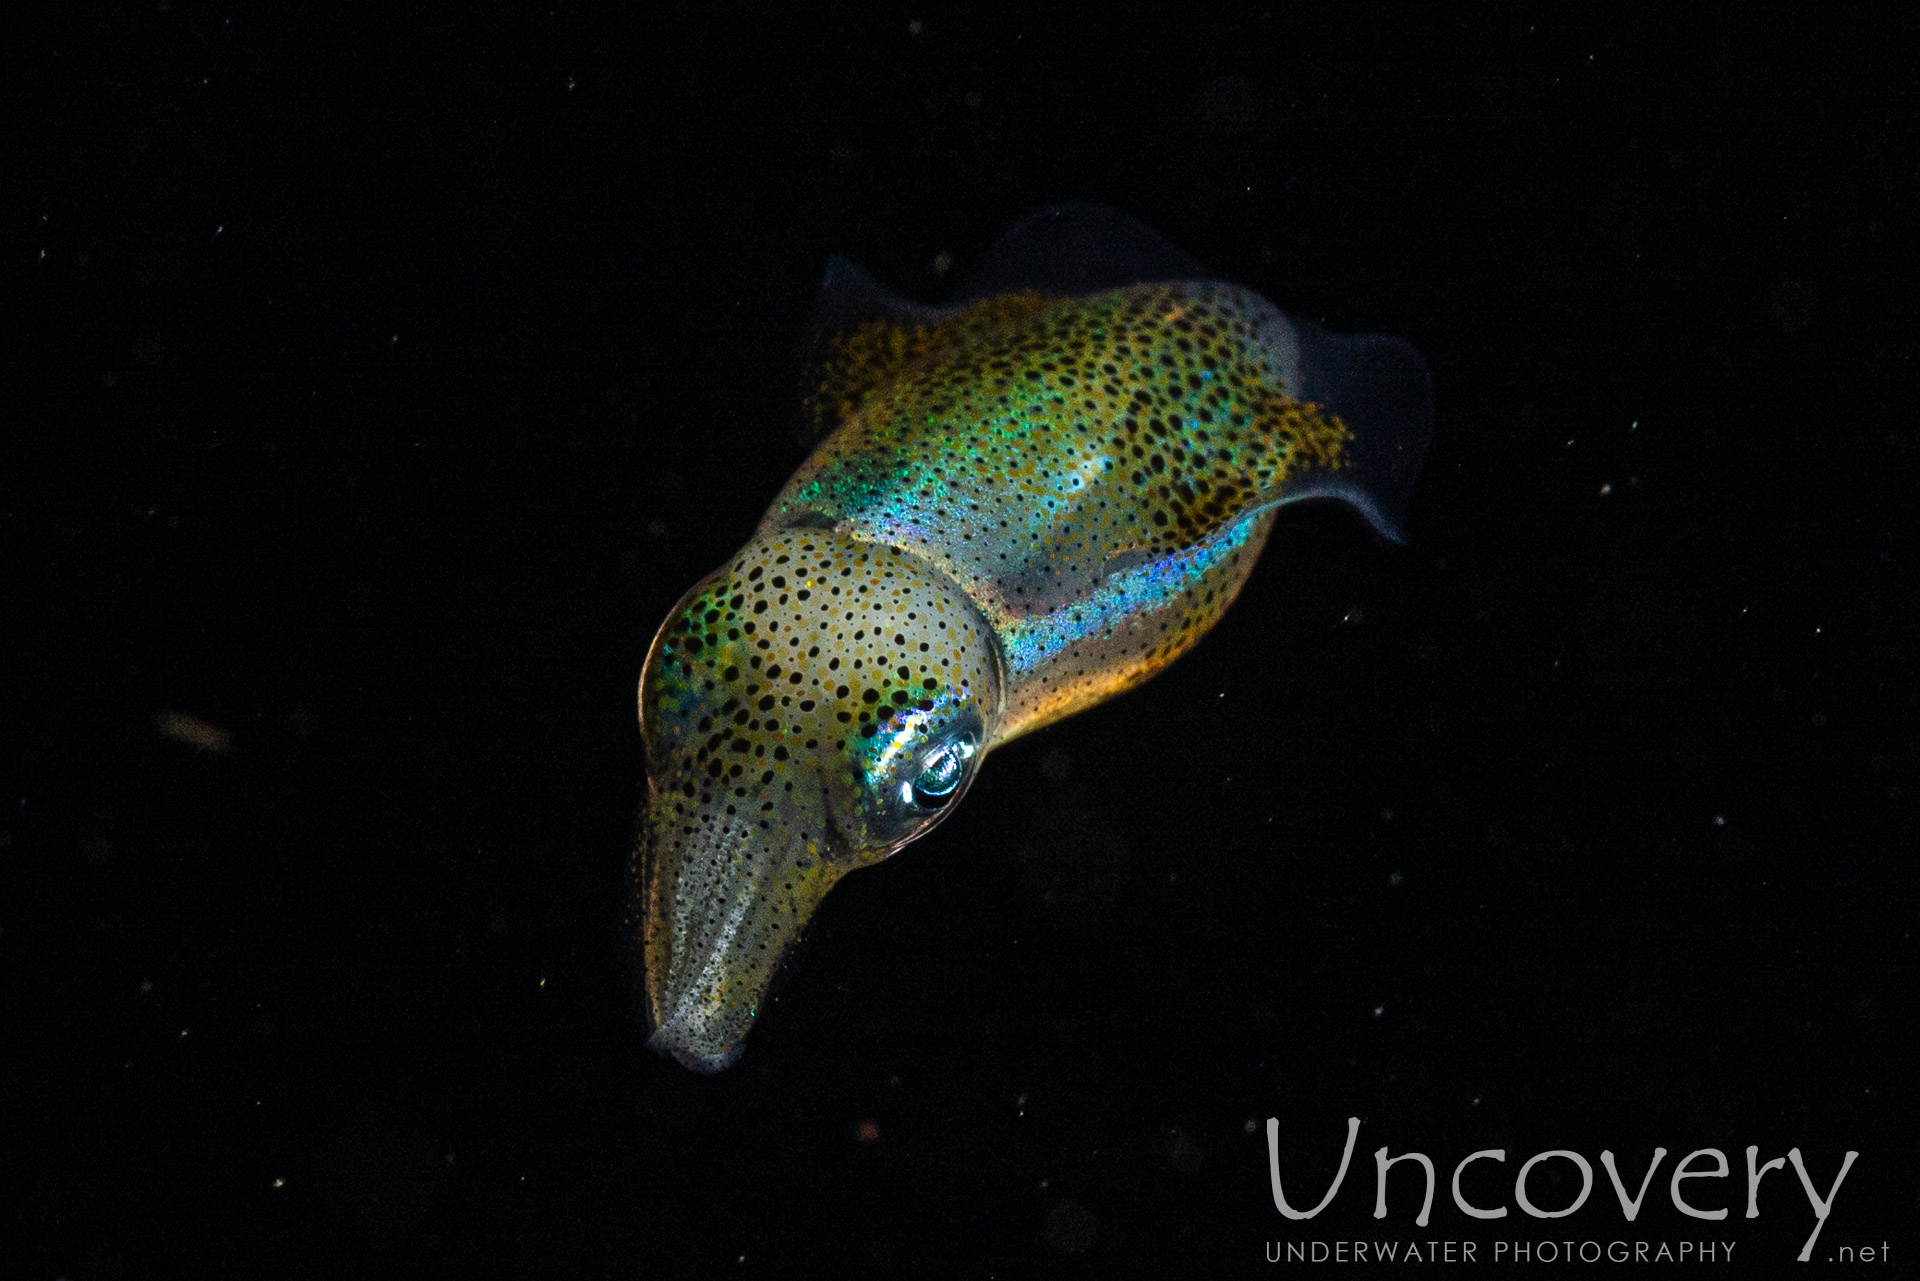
[944, 769]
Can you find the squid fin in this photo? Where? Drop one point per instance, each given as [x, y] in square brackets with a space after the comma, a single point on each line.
[857, 339]
[1070, 249]
[1379, 387]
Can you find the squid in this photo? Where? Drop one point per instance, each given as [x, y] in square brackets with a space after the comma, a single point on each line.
[1020, 505]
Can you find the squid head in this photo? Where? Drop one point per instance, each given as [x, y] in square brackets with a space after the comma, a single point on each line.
[808, 709]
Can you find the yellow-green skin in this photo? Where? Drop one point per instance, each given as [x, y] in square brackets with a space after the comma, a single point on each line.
[1025, 509]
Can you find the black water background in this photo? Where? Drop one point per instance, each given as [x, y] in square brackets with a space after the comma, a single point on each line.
[383, 380]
